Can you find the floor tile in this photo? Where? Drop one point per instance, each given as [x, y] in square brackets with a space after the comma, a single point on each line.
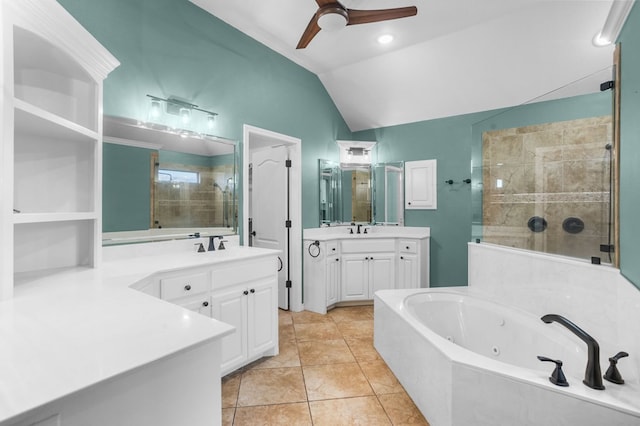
[380, 377]
[363, 349]
[271, 386]
[284, 317]
[267, 415]
[317, 331]
[352, 313]
[401, 409]
[315, 352]
[356, 329]
[364, 411]
[288, 357]
[335, 381]
[230, 388]
[227, 416]
[286, 332]
[306, 317]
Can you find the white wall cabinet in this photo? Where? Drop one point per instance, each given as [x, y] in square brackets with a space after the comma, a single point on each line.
[421, 188]
[351, 268]
[51, 141]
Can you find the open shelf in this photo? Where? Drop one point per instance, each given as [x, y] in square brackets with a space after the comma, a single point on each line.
[20, 218]
[46, 76]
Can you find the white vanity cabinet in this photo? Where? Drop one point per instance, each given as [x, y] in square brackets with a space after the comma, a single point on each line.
[367, 268]
[342, 267]
[50, 140]
[242, 294]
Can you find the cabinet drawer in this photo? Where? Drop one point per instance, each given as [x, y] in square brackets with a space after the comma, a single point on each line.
[408, 246]
[332, 248]
[368, 245]
[184, 285]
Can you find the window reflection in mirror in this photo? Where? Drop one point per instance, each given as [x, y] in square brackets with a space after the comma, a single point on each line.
[388, 193]
[194, 192]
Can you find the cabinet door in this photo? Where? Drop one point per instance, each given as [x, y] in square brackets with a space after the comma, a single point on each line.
[420, 184]
[262, 317]
[201, 305]
[381, 272]
[333, 280]
[408, 271]
[354, 277]
[230, 306]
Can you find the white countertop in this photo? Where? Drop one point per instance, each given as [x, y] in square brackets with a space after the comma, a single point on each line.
[72, 328]
[373, 232]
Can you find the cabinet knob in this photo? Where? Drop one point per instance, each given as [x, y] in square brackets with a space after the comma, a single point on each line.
[409, 203]
[401, 257]
[334, 249]
[337, 260]
[407, 247]
[245, 292]
[253, 290]
[205, 303]
[187, 287]
[371, 258]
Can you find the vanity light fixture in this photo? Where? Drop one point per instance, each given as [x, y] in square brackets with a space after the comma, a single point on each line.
[178, 107]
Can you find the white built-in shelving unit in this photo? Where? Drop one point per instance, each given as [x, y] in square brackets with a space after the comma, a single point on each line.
[51, 147]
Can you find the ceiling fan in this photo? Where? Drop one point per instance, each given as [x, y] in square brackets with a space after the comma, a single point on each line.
[331, 15]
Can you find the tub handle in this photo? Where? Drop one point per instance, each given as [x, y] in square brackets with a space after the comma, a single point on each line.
[612, 374]
[557, 377]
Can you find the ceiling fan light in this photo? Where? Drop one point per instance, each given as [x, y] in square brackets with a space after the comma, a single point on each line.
[333, 19]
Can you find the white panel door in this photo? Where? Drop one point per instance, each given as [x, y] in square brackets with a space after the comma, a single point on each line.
[269, 208]
[421, 184]
[355, 277]
[381, 272]
[263, 318]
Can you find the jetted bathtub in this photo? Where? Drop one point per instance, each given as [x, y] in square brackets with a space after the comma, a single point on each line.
[467, 361]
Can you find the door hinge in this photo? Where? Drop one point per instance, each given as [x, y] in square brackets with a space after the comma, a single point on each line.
[287, 163]
[287, 224]
[607, 85]
[607, 248]
[288, 284]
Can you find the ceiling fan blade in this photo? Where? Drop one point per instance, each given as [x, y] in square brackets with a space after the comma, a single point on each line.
[326, 2]
[309, 33]
[366, 16]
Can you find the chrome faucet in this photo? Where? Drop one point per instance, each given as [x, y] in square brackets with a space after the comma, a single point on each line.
[592, 374]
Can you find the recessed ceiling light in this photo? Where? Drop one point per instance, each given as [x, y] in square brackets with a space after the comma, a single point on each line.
[385, 39]
[600, 41]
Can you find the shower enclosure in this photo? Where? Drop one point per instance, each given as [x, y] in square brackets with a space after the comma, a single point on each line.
[543, 176]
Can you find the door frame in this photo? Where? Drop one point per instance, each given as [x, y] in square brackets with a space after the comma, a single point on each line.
[254, 138]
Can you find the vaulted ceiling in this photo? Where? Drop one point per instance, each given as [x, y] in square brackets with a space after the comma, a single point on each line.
[454, 57]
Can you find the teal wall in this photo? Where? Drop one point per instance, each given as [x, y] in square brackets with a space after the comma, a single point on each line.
[125, 188]
[173, 48]
[630, 148]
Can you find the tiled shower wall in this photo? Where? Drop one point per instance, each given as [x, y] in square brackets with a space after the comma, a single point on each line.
[555, 171]
[184, 205]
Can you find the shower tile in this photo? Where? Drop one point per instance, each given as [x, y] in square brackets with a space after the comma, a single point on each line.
[542, 146]
[584, 176]
[364, 411]
[507, 151]
[401, 409]
[271, 386]
[282, 414]
[586, 135]
[324, 352]
[335, 381]
[380, 377]
[591, 151]
[317, 331]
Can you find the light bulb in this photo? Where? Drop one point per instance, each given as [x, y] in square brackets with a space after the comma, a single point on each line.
[211, 119]
[184, 115]
[155, 109]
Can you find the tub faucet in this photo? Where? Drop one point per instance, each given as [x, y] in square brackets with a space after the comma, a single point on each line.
[592, 375]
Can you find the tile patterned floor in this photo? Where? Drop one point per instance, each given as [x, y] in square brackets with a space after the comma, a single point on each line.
[327, 373]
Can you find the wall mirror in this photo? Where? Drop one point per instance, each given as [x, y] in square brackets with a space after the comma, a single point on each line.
[160, 183]
[361, 193]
